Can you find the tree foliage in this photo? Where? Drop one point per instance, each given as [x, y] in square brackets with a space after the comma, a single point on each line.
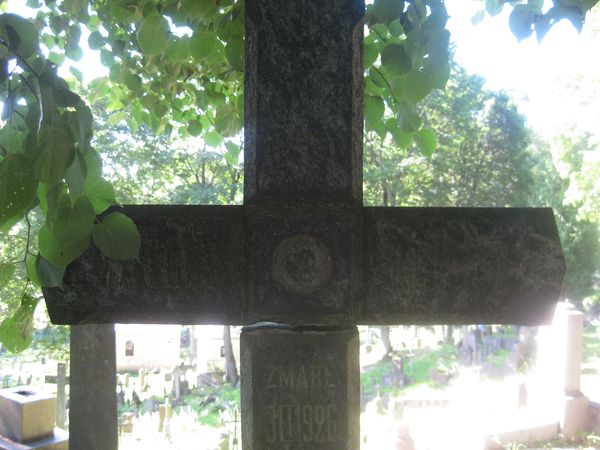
[175, 71]
[481, 157]
[538, 16]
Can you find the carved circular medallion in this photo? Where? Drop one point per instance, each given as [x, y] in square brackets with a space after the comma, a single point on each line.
[302, 263]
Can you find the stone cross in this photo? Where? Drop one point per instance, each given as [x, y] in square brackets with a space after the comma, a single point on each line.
[304, 252]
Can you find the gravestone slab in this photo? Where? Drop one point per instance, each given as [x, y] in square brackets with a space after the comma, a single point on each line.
[300, 388]
[26, 414]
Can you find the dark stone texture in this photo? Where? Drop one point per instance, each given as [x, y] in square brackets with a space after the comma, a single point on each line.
[191, 270]
[303, 264]
[461, 265]
[303, 99]
[93, 413]
[300, 388]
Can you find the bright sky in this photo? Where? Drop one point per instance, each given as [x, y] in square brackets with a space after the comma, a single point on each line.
[535, 74]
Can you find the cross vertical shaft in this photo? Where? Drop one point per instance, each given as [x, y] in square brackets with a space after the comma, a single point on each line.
[303, 158]
[303, 100]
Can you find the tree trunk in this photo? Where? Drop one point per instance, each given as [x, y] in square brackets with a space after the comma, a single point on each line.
[231, 372]
[448, 339]
[385, 338]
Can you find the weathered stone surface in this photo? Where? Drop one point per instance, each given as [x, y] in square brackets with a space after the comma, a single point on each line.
[93, 414]
[26, 414]
[57, 441]
[190, 270]
[304, 263]
[329, 264]
[461, 265]
[303, 99]
[300, 388]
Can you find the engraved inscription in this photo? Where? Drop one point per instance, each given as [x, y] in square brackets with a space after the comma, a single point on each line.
[302, 264]
[302, 423]
[305, 421]
[299, 376]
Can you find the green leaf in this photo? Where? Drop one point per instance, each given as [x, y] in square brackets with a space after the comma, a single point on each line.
[194, 128]
[213, 139]
[16, 331]
[202, 44]
[441, 77]
[93, 164]
[96, 40]
[478, 17]
[374, 109]
[17, 189]
[227, 121]
[388, 10]
[377, 78]
[234, 52]
[401, 139]
[371, 52]
[73, 223]
[396, 28]
[426, 141]
[521, 21]
[153, 35]
[118, 117]
[58, 254]
[494, 7]
[117, 237]
[77, 8]
[437, 50]
[48, 274]
[76, 174]
[573, 14]
[11, 139]
[76, 73]
[396, 60]
[197, 8]
[408, 119]
[31, 269]
[417, 85]
[179, 48]
[55, 154]
[132, 81]
[7, 270]
[74, 52]
[233, 153]
[20, 35]
[101, 194]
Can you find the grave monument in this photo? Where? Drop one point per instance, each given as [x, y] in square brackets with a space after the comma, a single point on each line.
[302, 262]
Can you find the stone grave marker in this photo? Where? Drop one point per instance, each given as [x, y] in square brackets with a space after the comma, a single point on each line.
[28, 420]
[303, 251]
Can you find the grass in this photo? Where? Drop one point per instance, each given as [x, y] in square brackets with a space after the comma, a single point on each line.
[209, 402]
[584, 442]
[417, 367]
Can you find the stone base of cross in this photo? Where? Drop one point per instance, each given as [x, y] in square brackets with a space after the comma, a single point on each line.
[303, 251]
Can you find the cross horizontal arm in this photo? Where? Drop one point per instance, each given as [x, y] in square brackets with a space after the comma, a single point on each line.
[246, 264]
[190, 270]
[461, 265]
